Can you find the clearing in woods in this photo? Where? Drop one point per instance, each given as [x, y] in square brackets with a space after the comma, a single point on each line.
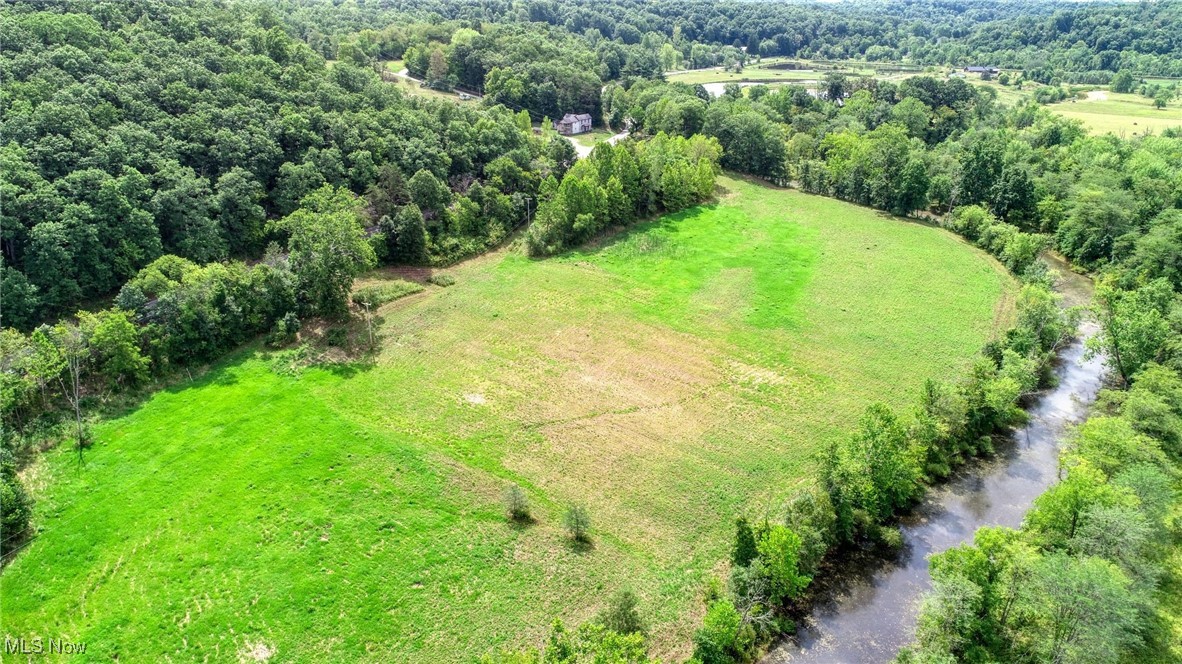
[667, 378]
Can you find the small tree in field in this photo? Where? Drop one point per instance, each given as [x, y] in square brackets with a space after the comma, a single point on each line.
[517, 503]
[578, 523]
[621, 615]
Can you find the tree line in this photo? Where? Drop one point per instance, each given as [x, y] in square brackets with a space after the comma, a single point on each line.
[1061, 38]
[1107, 203]
[618, 184]
[143, 130]
[550, 58]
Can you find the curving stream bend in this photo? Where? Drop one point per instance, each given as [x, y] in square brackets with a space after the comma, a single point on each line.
[868, 611]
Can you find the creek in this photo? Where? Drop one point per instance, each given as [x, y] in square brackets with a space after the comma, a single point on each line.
[867, 611]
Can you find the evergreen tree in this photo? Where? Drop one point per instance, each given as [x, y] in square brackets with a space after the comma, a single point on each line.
[744, 550]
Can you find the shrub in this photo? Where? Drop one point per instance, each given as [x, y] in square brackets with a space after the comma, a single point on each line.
[621, 615]
[444, 280]
[888, 539]
[723, 638]
[873, 473]
[291, 362]
[285, 330]
[810, 514]
[779, 551]
[517, 504]
[591, 642]
[578, 523]
[376, 296]
[337, 337]
[16, 506]
[115, 343]
[712, 590]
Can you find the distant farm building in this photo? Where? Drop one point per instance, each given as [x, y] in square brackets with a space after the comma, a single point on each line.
[572, 124]
[981, 70]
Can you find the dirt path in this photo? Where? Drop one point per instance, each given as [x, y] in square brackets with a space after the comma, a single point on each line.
[404, 74]
[584, 150]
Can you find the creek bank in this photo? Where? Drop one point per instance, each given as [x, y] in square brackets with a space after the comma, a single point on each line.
[866, 610]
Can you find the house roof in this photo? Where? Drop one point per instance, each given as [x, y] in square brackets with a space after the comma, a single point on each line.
[580, 117]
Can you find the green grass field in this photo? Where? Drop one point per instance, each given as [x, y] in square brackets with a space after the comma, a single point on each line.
[768, 70]
[412, 87]
[668, 378]
[1121, 114]
[593, 137]
[752, 73]
[1007, 95]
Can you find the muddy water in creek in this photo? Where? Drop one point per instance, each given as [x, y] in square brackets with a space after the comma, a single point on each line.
[867, 611]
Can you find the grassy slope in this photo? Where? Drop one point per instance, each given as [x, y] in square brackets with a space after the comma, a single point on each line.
[667, 379]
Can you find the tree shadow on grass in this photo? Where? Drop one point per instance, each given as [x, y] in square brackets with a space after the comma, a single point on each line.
[221, 372]
[614, 235]
[347, 369]
[921, 218]
[580, 546]
[522, 523]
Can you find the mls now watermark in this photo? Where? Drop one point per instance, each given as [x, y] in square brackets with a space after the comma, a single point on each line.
[40, 646]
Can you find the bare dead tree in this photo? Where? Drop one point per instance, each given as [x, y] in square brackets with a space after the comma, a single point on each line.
[75, 349]
[752, 596]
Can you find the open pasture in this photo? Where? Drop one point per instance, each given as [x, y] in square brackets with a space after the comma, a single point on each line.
[668, 378]
[1121, 114]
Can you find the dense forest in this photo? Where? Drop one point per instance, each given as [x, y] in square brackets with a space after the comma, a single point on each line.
[1068, 37]
[139, 129]
[191, 176]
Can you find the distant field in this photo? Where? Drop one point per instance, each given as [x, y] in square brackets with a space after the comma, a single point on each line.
[767, 71]
[1006, 94]
[411, 86]
[668, 379]
[1121, 114]
[748, 74]
[764, 72]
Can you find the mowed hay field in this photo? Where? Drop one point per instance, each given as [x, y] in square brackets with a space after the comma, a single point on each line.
[668, 378]
[1120, 114]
